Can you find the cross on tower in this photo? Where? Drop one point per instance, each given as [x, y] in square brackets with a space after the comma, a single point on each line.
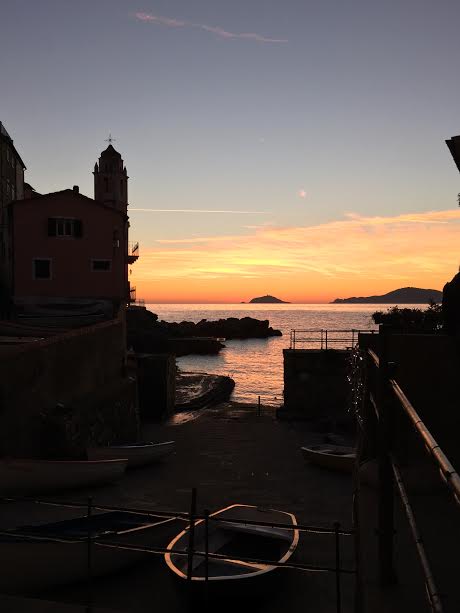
[110, 140]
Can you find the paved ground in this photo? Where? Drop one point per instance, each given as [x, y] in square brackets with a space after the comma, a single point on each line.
[230, 455]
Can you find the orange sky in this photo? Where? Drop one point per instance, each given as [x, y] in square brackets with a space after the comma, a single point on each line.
[354, 256]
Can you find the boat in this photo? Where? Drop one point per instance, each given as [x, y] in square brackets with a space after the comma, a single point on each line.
[335, 457]
[46, 555]
[27, 476]
[138, 454]
[235, 540]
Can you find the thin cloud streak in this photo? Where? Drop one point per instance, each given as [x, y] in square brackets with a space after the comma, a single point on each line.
[355, 256]
[217, 30]
[200, 211]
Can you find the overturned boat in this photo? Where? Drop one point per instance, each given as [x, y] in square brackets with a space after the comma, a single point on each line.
[234, 541]
[138, 454]
[36, 557]
[22, 477]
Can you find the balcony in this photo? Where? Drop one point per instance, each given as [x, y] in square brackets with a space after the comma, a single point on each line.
[133, 252]
[132, 293]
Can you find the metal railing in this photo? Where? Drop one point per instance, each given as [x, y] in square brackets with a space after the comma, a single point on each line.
[385, 396]
[192, 518]
[133, 248]
[320, 338]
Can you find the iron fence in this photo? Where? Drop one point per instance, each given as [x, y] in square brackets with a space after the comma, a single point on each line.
[320, 338]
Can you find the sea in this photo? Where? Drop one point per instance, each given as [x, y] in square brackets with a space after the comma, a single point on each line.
[256, 365]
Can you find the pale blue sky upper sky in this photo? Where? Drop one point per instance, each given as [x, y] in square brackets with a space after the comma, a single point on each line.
[353, 108]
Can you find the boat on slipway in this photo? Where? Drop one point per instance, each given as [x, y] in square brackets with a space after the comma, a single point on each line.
[334, 457]
[234, 541]
[138, 454]
[28, 476]
[36, 557]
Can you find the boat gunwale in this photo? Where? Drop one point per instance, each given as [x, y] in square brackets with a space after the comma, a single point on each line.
[263, 568]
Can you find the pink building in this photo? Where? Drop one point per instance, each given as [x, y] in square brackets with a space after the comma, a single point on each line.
[70, 251]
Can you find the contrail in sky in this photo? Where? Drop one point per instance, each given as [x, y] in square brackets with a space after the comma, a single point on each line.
[177, 23]
[199, 211]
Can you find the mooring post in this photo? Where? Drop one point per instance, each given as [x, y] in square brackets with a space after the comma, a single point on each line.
[206, 555]
[191, 535]
[338, 595]
[89, 560]
[258, 407]
[386, 478]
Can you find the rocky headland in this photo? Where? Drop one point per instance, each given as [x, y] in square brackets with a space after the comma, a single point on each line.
[404, 295]
[146, 333]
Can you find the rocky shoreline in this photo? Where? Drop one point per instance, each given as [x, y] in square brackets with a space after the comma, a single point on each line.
[145, 333]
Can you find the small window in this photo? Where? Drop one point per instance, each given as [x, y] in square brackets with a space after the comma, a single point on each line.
[61, 226]
[106, 184]
[101, 265]
[42, 269]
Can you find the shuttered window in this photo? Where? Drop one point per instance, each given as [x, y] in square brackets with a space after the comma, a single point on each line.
[65, 227]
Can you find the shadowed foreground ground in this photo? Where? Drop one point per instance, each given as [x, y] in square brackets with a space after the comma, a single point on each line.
[231, 455]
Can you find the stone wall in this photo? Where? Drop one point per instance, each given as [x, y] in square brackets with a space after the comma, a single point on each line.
[59, 394]
[315, 382]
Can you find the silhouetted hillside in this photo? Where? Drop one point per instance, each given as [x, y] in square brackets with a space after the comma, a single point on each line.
[405, 295]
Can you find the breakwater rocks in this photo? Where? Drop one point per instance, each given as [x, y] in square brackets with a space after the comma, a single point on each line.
[227, 329]
[147, 334]
[200, 390]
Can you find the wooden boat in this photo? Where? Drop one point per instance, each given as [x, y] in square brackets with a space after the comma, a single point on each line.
[235, 540]
[41, 556]
[335, 457]
[138, 454]
[31, 476]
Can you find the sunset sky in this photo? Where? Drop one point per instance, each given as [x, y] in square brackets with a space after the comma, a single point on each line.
[287, 147]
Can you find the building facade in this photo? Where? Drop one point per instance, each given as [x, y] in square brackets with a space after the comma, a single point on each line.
[11, 188]
[71, 251]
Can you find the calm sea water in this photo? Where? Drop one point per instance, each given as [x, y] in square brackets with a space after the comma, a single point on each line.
[256, 365]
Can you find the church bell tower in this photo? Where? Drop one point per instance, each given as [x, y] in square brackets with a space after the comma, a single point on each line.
[111, 179]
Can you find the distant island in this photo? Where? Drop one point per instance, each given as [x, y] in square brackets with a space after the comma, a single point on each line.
[405, 295]
[268, 300]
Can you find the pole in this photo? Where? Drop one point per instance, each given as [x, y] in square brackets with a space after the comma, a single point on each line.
[191, 537]
[386, 478]
[337, 568]
[89, 560]
[258, 407]
[206, 555]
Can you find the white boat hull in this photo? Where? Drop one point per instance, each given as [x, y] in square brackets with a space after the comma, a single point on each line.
[137, 455]
[221, 539]
[32, 476]
[334, 457]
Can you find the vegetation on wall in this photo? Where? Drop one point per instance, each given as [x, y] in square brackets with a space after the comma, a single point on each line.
[427, 320]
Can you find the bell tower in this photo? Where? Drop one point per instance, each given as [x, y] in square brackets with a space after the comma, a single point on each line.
[111, 179]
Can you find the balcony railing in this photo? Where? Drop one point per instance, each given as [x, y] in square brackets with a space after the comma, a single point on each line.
[319, 338]
[133, 252]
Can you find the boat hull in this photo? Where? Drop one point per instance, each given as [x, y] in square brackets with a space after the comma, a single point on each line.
[137, 455]
[234, 540]
[32, 564]
[33, 476]
[333, 457]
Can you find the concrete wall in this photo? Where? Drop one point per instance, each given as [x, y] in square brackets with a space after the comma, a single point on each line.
[315, 383]
[427, 368]
[59, 394]
[156, 375]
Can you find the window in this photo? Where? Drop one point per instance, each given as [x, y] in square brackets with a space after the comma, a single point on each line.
[42, 268]
[62, 226]
[101, 265]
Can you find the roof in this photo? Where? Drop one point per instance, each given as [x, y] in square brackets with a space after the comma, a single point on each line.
[111, 151]
[37, 197]
[7, 137]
